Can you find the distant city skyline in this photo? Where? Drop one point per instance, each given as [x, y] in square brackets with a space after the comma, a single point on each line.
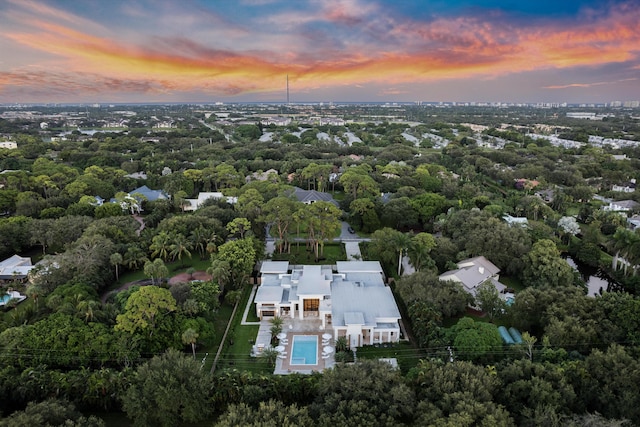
[194, 51]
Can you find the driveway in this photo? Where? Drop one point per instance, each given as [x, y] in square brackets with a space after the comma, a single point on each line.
[353, 251]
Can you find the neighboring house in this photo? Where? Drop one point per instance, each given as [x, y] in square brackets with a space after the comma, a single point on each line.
[311, 196]
[621, 206]
[132, 202]
[263, 176]
[353, 300]
[627, 187]
[99, 201]
[9, 145]
[149, 194]
[15, 267]
[137, 175]
[515, 221]
[385, 197]
[545, 195]
[472, 272]
[525, 184]
[193, 204]
[277, 121]
[634, 222]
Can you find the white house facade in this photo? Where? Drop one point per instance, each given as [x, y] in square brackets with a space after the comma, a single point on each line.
[353, 300]
[194, 204]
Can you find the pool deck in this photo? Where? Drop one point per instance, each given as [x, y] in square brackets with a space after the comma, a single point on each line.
[291, 327]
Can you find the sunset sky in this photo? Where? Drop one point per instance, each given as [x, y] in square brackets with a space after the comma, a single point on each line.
[332, 50]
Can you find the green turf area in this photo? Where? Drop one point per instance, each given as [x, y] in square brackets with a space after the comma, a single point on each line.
[406, 354]
[300, 254]
[236, 354]
[222, 318]
[512, 282]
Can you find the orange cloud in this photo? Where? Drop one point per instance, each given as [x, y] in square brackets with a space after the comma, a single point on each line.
[442, 49]
[584, 85]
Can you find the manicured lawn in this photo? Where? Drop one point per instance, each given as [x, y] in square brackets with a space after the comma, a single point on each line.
[407, 355]
[236, 354]
[251, 315]
[512, 282]
[219, 324]
[300, 254]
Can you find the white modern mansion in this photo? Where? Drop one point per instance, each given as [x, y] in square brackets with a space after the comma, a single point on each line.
[353, 300]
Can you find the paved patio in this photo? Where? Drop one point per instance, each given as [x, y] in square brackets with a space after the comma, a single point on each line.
[293, 327]
[284, 366]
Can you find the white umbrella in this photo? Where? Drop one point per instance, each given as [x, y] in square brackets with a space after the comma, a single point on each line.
[280, 348]
[281, 336]
[328, 349]
[326, 336]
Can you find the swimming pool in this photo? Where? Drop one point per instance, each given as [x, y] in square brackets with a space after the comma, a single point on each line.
[304, 350]
[5, 298]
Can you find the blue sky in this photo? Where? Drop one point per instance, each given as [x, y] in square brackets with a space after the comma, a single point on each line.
[332, 50]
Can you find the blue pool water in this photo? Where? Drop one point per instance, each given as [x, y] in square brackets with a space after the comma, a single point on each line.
[510, 300]
[5, 298]
[304, 350]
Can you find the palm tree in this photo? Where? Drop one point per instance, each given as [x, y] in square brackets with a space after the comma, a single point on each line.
[135, 257]
[220, 272]
[87, 309]
[419, 249]
[116, 260]
[212, 243]
[276, 327]
[342, 344]
[625, 242]
[199, 240]
[190, 337]
[180, 246]
[161, 245]
[270, 354]
[401, 242]
[34, 292]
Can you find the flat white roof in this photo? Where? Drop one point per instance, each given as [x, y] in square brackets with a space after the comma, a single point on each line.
[359, 266]
[373, 302]
[269, 294]
[353, 318]
[313, 281]
[275, 267]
